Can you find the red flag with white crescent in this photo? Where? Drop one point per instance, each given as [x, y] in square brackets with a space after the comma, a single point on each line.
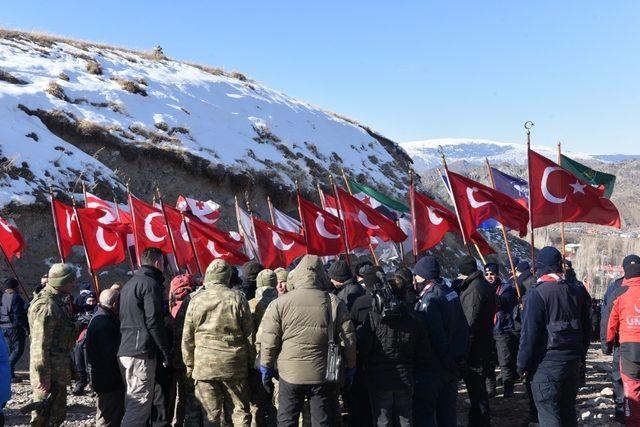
[11, 240]
[103, 241]
[149, 227]
[209, 245]
[322, 230]
[558, 196]
[477, 203]
[277, 247]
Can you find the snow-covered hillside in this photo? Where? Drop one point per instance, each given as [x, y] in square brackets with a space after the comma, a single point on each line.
[230, 122]
[425, 153]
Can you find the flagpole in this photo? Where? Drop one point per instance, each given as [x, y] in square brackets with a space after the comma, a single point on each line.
[346, 183]
[15, 275]
[528, 125]
[133, 225]
[193, 246]
[455, 205]
[343, 226]
[126, 246]
[323, 202]
[412, 206]
[270, 205]
[169, 231]
[241, 229]
[253, 228]
[302, 224]
[504, 234]
[564, 253]
[94, 277]
[55, 225]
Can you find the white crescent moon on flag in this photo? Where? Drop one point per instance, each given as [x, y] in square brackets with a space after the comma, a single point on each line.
[278, 243]
[212, 248]
[364, 220]
[472, 201]
[5, 226]
[183, 232]
[103, 244]
[70, 218]
[148, 230]
[323, 230]
[435, 219]
[545, 191]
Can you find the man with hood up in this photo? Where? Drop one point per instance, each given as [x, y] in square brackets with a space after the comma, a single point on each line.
[295, 335]
[478, 301]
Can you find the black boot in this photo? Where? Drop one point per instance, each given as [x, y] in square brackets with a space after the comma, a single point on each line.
[508, 389]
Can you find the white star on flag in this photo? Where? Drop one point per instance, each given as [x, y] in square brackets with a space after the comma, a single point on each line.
[577, 187]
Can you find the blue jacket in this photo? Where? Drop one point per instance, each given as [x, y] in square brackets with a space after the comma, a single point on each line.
[607, 303]
[506, 302]
[557, 324]
[5, 375]
[439, 307]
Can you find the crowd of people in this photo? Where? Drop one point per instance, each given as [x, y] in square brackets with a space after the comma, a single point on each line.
[320, 343]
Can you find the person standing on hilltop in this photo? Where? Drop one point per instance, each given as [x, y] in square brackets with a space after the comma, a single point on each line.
[555, 337]
[53, 335]
[613, 347]
[13, 322]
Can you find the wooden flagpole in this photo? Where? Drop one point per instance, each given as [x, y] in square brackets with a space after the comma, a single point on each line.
[412, 206]
[133, 225]
[253, 227]
[185, 221]
[455, 205]
[302, 224]
[270, 205]
[564, 251]
[504, 234]
[55, 226]
[528, 125]
[342, 224]
[346, 183]
[126, 246]
[169, 231]
[94, 277]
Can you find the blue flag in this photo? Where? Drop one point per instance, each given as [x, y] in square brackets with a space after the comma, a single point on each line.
[516, 188]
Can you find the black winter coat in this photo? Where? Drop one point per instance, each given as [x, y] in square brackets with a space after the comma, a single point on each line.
[478, 300]
[507, 301]
[389, 350]
[360, 309]
[142, 316]
[349, 292]
[101, 343]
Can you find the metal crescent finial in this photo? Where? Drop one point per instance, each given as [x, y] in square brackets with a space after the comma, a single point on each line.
[528, 125]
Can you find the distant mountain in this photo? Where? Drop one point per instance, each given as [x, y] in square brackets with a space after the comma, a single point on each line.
[425, 154]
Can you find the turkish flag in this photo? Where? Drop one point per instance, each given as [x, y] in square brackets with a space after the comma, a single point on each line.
[277, 247]
[433, 221]
[209, 246]
[66, 227]
[362, 220]
[149, 227]
[103, 242]
[184, 251]
[11, 240]
[558, 196]
[207, 211]
[322, 230]
[357, 236]
[477, 202]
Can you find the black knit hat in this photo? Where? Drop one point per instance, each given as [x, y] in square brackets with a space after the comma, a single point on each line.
[340, 271]
[492, 267]
[523, 266]
[10, 283]
[250, 270]
[362, 266]
[631, 265]
[467, 265]
[548, 260]
[427, 267]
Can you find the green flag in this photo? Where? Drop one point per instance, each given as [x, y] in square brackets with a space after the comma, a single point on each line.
[592, 176]
[379, 197]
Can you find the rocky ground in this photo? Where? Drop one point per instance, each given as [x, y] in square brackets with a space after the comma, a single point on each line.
[595, 402]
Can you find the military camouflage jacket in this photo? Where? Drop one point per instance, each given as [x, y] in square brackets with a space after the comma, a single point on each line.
[53, 334]
[217, 339]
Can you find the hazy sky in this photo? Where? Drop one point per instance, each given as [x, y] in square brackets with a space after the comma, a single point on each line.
[409, 69]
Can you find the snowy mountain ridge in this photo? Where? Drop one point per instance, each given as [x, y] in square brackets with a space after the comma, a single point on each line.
[425, 154]
[63, 101]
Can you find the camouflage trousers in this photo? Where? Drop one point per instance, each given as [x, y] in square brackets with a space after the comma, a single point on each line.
[55, 411]
[216, 395]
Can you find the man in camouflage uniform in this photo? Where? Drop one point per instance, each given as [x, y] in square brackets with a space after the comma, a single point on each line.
[53, 335]
[217, 347]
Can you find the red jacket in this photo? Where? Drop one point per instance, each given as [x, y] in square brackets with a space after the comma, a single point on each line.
[624, 319]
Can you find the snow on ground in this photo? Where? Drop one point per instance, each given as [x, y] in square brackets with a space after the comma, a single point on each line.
[225, 120]
[426, 156]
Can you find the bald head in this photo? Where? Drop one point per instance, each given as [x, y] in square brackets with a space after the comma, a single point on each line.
[109, 298]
